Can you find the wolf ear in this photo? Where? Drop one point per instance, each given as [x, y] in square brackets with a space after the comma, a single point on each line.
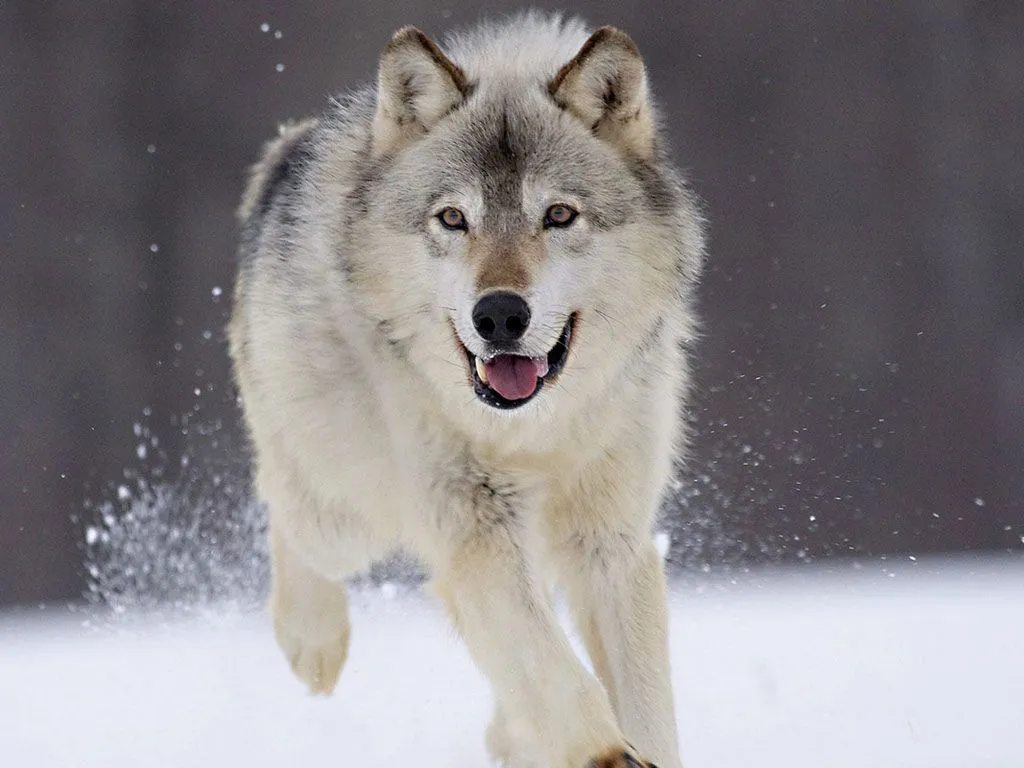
[417, 85]
[605, 86]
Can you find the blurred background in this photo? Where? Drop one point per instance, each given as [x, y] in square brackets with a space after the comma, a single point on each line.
[861, 379]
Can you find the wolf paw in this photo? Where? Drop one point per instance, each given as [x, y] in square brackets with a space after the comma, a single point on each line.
[318, 664]
[507, 750]
[617, 758]
[310, 617]
[313, 632]
[499, 745]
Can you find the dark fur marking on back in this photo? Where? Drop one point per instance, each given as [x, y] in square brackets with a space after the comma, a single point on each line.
[249, 241]
[286, 175]
[275, 198]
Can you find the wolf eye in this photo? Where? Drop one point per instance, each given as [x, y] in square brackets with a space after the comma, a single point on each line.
[452, 218]
[559, 215]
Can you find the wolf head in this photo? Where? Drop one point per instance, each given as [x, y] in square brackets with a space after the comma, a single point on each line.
[518, 234]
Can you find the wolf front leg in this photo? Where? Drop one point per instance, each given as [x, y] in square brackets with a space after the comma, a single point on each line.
[620, 610]
[615, 583]
[312, 550]
[556, 714]
[310, 615]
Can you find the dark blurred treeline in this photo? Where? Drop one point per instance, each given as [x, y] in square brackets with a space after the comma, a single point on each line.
[862, 374]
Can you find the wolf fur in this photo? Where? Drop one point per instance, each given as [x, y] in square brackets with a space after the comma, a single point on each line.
[353, 338]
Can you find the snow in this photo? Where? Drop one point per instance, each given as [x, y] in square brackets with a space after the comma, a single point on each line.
[916, 666]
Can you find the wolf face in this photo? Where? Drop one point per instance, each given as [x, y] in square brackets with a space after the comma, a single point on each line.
[517, 231]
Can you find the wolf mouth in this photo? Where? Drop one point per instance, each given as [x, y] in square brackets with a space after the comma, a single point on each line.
[510, 381]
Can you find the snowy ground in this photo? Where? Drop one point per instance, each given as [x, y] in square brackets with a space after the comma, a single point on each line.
[918, 666]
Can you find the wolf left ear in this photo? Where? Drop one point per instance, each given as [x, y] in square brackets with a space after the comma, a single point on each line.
[417, 85]
[605, 86]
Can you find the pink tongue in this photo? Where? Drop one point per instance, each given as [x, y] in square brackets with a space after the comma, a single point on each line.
[514, 377]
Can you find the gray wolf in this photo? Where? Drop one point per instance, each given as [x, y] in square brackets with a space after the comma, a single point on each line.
[461, 327]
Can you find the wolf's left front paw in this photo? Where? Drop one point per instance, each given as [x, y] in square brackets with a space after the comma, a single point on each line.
[617, 758]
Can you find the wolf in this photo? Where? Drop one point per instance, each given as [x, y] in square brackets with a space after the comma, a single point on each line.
[462, 326]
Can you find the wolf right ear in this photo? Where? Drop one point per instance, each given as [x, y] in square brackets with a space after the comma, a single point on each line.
[417, 85]
[605, 86]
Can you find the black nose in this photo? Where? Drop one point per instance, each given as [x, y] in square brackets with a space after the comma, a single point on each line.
[501, 317]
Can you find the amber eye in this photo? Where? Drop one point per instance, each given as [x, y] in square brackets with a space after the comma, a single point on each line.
[559, 215]
[452, 218]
